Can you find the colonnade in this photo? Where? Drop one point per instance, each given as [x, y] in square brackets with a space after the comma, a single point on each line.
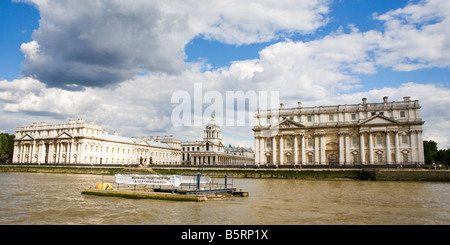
[215, 159]
[66, 151]
[70, 151]
[368, 151]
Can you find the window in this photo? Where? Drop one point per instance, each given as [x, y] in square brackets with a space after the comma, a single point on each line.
[310, 142]
[373, 113]
[268, 143]
[309, 118]
[353, 116]
[402, 114]
[288, 142]
[381, 113]
[404, 139]
[330, 118]
[379, 139]
[354, 140]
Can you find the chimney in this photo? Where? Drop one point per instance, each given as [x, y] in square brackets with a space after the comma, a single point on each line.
[116, 133]
[364, 100]
[299, 104]
[281, 106]
[406, 99]
[385, 99]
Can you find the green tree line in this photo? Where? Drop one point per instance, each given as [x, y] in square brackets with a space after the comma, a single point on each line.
[6, 147]
[433, 155]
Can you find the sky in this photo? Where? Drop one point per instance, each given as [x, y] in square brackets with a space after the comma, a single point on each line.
[120, 63]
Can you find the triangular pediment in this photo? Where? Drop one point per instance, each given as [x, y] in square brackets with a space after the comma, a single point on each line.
[144, 142]
[378, 119]
[289, 124]
[27, 137]
[64, 135]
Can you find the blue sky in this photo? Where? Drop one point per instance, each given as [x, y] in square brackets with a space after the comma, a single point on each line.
[130, 59]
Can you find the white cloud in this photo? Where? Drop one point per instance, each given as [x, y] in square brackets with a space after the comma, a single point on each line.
[416, 36]
[96, 43]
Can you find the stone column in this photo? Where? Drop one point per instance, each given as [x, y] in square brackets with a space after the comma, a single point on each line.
[397, 147]
[341, 148]
[281, 150]
[322, 149]
[274, 150]
[295, 149]
[303, 149]
[316, 149]
[420, 144]
[41, 154]
[361, 148]
[370, 148]
[262, 146]
[348, 157]
[15, 153]
[71, 158]
[388, 148]
[58, 151]
[50, 152]
[413, 145]
[81, 153]
[33, 150]
[257, 150]
[20, 153]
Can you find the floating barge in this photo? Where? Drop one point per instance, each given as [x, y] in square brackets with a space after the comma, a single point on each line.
[171, 187]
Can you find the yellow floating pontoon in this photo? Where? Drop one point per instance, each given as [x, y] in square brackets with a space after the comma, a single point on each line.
[103, 186]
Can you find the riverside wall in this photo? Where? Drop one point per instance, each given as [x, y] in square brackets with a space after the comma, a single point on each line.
[282, 173]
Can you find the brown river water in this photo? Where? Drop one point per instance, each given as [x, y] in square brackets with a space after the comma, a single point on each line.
[56, 199]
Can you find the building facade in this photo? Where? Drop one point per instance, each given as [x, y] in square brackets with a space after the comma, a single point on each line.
[367, 133]
[87, 143]
[211, 151]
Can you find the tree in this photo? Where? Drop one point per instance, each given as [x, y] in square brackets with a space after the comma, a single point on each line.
[430, 150]
[6, 147]
[443, 157]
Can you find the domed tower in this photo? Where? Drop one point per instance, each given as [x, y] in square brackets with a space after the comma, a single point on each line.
[212, 132]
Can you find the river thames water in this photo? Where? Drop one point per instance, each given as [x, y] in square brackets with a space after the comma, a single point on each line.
[56, 199]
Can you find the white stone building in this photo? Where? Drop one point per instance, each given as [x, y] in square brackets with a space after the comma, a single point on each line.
[211, 151]
[366, 133]
[87, 143]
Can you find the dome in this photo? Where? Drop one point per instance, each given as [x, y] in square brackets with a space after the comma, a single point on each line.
[212, 123]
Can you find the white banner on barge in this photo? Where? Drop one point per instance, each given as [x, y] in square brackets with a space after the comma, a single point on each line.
[148, 179]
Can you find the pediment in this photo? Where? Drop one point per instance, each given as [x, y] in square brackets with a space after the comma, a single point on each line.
[64, 135]
[378, 119]
[143, 142]
[289, 124]
[27, 137]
